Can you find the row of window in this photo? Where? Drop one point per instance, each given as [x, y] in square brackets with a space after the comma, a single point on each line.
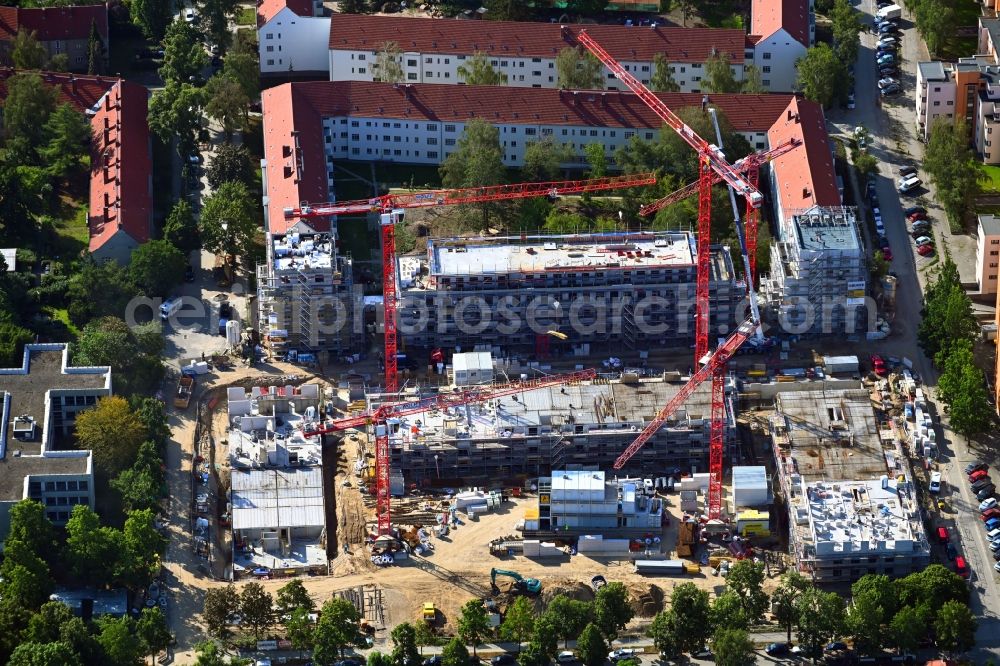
[62, 500]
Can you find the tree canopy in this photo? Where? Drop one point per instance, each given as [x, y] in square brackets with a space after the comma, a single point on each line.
[230, 221]
[954, 168]
[477, 71]
[577, 69]
[477, 160]
[157, 267]
[822, 75]
[719, 75]
[388, 67]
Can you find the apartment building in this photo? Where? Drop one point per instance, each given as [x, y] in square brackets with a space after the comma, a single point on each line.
[582, 500]
[603, 293]
[432, 50]
[39, 402]
[121, 183]
[60, 30]
[530, 434]
[987, 252]
[848, 488]
[287, 33]
[781, 31]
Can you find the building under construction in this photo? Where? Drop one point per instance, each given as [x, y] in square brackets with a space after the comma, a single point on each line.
[530, 434]
[306, 300]
[818, 273]
[579, 294]
[851, 500]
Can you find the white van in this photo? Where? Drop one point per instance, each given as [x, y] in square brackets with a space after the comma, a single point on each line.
[169, 307]
[909, 183]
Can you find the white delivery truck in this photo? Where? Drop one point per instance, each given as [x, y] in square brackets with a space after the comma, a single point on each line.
[890, 12]
[169, 307]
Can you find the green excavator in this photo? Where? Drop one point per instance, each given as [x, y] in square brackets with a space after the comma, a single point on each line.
[524, 585]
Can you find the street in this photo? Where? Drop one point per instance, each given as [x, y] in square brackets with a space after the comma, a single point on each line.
[897, 144]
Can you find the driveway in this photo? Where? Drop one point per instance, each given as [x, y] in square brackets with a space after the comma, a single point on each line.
[896, 144]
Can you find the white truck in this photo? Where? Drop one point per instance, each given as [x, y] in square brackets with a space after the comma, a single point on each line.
[890, 12]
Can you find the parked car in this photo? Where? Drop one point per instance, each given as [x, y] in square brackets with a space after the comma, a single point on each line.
[191, 16]
[878, 365]
[885, 58]
[925, 250]
[913, 217]
[566, 657]
[920, 209]
[961, 567]
[835, 646]
[992, 524]
[987, 504]
[889, 91]
[850, 101]
[888, 70]
[986, 493]
[907, 171]
[924, 240]
[433, 661]
[980, 482]
[992, 513]
[887, 81]
[978, 474]
[188, 273]
[951, 551]
[908, 184]
[777, 649]
[886, 253]
[935, 485]
[504, 659]
[919, 230]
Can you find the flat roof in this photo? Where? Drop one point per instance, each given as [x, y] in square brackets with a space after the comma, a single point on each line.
[827, 229]
[539, 254]
[865, 517]
[106, 602]
[465, 361]
[568, 479]
[303, 251]
[933, 71]
[990, 224]
[851, 449]
[274, 498]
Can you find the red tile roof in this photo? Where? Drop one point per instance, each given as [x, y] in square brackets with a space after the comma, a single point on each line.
[499, 38]
[266, 9]
[805, 176]
[121, 107]
[293, 175]
[52, 23]
[769, 16]
[302, 106]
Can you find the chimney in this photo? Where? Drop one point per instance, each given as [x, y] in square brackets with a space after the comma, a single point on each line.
[604, 99]
[72, 84]
[797, 120]
[789, 114]
[806, 193]
[574, 98]
[704, 103]
[565, 32]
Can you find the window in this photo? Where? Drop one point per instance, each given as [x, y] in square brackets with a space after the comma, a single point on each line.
[449, 128]
[269, 35]
[994, 253]
[361, 70]
[766, 82]
[50, 486]
[767, 55]
[536, 60]
[449, 142]
[355, 137]
[937, 103]
[530, 131]
[428, 60]
[629, 134]
[411, 63]
[536, 73]
[355, 151]
[361, 56]
[432, 154]
[766, 69]
[432, 127]
[71, 485]
[84, 485]
[271, 62]
[270, 48]
[411, 76]
[593, 132]
[645, 68]
[432, 141]
[993, 265]
[355, 123]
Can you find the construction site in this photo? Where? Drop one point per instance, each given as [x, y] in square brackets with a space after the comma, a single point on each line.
[490, 475]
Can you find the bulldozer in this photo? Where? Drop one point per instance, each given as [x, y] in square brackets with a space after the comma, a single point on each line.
[530, 586]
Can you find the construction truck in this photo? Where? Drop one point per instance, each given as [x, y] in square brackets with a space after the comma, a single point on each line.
[185, 386]
[430, 612]
[524, 585]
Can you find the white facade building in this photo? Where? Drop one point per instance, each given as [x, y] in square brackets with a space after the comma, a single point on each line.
[288, 44]
[781, 31]
[432, 50]
[935, 94]
[987, 253]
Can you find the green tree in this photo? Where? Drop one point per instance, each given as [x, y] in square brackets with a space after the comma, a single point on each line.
[149, 410]
[353, 7]
[67, 142]
[586, 7]
[184, 55]
[299, 629]
[719, 76]
[404, 641]
[217, 15]
[245, 70]
[545, 636]
[955, 627]
[230, 163]
[337, 628]
[77, 635]
[664, 636]
[376, 658]
[753, 83]
[44, 654]
[577, 69]
[227, 103]
[727, 611]
[153, 630]
[157, 267]
[933, 587]
[689, 617]
[121, 646]
[967, 395]
[139, 558]
[597, 159]
[865, 163]
[477, 71]
[175, 112]
[229, 222]
[95, 51]
[568, 616]
[111, 430]
[180, 229]
[45, 625]
[473, 624]
[291, 596]
[58, 63]
[256, 609]
[245, 42]
[746, 579]
[90, 548]
[953, 167]
[822, 75]
[783, 600]
[543, 159]
[25, 113]
[388, 63]
[27, 582]
[732, 647]
[612, 610]
[590, 647]
[846, 30]
[27, 52]
[455, 653]
[29, 525]
[532, 655]
[12, 341]
[936, 21]
[221, 604]
[906, 629]
[424, 636]
[518, 621]
[863, 622]
[151, 16]
[209, 653]
[476, 161]
[821, 618]
[663, 76]
[947, 315]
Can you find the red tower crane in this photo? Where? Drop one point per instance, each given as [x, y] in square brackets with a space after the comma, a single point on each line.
[379, 417]
[711, 161]
[387, 203]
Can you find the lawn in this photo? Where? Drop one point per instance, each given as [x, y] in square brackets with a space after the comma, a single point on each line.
[356, 238]
[721, 14]
[966, 16]
[62, 315]
[246, 16]
[991, 184]
[72, 235]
